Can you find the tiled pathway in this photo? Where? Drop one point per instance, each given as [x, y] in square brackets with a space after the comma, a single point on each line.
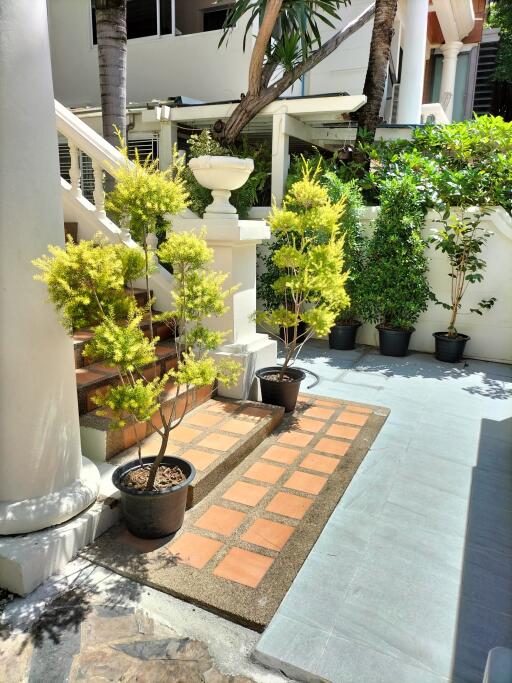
[411, 579]
[241, 547]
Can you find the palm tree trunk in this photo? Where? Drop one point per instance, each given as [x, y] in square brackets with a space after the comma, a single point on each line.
[376, 73]
[111, 35]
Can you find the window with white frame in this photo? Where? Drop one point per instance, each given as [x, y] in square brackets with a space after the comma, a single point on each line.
[143, 18]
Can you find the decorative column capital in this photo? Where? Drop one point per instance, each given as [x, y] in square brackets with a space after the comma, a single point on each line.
[451, 49]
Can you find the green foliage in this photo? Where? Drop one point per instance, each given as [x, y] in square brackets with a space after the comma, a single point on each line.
[462, 239]
[144, 196]
[86, 281]
[394, 287]
[309, 283]
[136, 401]
[246, 196]
[500, 16]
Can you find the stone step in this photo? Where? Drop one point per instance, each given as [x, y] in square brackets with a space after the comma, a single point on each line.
[96, 377]
[215, 438]
[100, 443]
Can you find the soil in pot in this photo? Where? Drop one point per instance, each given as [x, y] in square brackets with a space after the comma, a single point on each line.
[157, 513]
[394, 342]
[280, 390]
[450, 349]
[342, 336]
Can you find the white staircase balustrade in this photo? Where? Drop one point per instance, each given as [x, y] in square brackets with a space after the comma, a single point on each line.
[91, 218]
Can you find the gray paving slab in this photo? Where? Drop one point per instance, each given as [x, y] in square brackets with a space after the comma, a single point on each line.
[418, 585]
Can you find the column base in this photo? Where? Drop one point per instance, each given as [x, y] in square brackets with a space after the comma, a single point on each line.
[33, 514]
[258, 353]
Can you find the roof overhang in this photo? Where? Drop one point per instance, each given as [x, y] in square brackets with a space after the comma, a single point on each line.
[456, 18]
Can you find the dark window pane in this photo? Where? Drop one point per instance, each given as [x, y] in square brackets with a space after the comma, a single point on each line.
[93, 15]
[141, 18]
[214, 19]
[165, 17]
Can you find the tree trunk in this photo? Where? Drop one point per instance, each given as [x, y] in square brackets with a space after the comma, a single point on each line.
[111, 35]
[376, 73]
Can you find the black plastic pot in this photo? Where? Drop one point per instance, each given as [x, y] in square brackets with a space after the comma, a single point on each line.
[154, 514]
[343, 337]
[302, 328]
[280, 393]
[450, 349]
[394, 342]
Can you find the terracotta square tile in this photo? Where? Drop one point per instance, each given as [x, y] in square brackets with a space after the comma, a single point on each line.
[305, 482]
[262, 471]
[320, 463]
[237, 426]
[104, 369]
[289, 505]
[137, 432]
[281, 454]
[194, 550]
[328, 404]
[332, 446]
[295, 438]
[219, 442]
[220, 520]
[360, 409]
[84, 376]
[243, 566]
[321, 413]
[308, 425]
[221, 406]
[255, 412]
[200, 459]
[204, 419]
[82, 335]
[185, 434]
[161, 350]
[267, 534]
[352, 418]
[247, 494]
[343, 431]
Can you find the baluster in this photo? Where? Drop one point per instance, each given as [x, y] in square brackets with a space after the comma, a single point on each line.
[99, 195]
[74, 170]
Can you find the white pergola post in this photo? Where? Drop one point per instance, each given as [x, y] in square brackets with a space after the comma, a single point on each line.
[280, 157]
[168, 138]
[450, 52]
[43, 478]
[413, 62]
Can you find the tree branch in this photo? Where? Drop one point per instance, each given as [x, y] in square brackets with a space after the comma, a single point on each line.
[260, 46]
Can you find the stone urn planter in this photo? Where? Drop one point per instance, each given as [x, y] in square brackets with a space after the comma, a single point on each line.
[221, 175]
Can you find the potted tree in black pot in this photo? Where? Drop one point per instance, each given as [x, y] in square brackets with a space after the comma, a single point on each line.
[462, 239]
[395, 288]
[309, 283]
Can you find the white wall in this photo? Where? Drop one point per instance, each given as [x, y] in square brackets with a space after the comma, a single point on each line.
[158, 67]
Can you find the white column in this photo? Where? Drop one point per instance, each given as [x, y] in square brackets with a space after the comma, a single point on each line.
[168, 139]
[280, 157]
[450, 53]
[413, 62]
[43, 479]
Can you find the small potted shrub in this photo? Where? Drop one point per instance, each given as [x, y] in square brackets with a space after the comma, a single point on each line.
[394, 285]
[462, 239]
[309, 283]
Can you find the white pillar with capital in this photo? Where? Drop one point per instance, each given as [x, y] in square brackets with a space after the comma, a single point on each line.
[413, 62]
[450, 52]
[44, 480]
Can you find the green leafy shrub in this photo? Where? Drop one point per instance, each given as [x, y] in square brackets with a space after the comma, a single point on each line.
[394, 287]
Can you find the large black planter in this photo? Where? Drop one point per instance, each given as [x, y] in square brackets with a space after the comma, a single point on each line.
[450, 349]
[394, 342]
[343, 337]
[280, 393]
[302, 329]
[154, 514]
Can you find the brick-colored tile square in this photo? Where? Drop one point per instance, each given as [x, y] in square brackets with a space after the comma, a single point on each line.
[262, 471]
[268, 534]
[360, 409]
[320, 413]
[185, 434]
[219, 442]
[295, 438]
[289, 505]
[221, 406]
[84, 376]
[243, 566]
[281, 454]
[305, 482]
[220, 520]
[247, 494]
[194, 550]
[255, 413]
[308, 425]
[237, 426]
[332, 446]
[328, 404]
[352, 418]
[200, 459]
[343, 431]
[320, 463]
[204, 419]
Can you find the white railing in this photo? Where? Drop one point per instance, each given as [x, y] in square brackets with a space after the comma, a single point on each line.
[91, 217]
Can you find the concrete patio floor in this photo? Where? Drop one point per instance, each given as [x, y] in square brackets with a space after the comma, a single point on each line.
[410, 580]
